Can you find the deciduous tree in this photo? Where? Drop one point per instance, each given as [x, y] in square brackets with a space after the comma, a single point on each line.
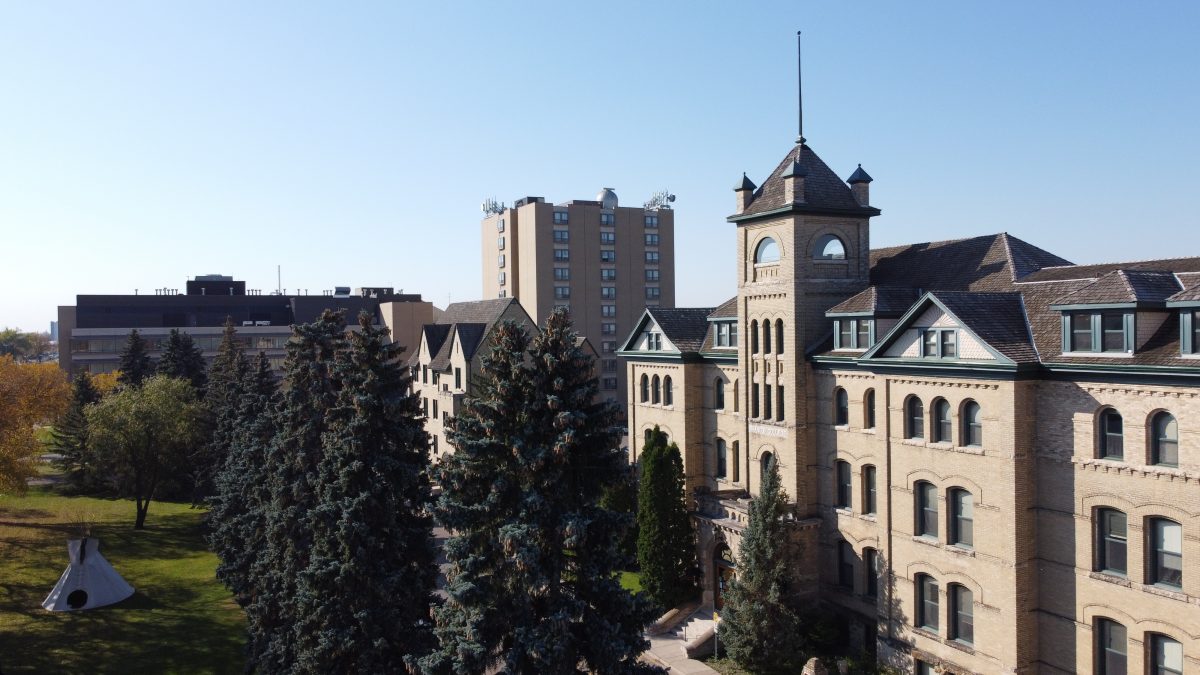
[533, 586]
[141, 436]
[30, 394]
[666, 547]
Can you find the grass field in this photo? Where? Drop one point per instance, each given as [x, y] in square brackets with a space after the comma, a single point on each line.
[180, 619]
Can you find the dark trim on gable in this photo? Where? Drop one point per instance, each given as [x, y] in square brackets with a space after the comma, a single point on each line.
[865, 212]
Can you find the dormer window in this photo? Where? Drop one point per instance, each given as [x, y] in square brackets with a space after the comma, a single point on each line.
[725, 334]
[1189, 322]
[1105, 332]
[654, 342]
[853, 333]
[939, 343]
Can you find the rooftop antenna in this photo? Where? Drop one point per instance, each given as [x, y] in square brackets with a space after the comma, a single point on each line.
[279, 279]
[799, 91]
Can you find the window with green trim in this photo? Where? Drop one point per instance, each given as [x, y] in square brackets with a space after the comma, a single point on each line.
[1107, 332]
[940, 343]
[853, 333]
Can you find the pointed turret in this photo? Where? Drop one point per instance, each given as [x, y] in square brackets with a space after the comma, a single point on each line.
[745, 192]
[860, 185]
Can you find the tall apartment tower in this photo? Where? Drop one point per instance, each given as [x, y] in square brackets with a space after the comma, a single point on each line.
[605, 262]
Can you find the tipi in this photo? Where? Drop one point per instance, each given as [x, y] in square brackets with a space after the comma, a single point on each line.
[88, 582]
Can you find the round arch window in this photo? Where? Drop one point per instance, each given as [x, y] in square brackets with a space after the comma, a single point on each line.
[767, 251]
[829, 247]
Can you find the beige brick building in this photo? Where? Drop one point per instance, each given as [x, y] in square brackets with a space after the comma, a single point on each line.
[603, 261]
[994, 455]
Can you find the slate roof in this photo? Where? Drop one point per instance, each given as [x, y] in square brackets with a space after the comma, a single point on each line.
[1063, 273]
[997, 318]
[1125, 286]
[823, 190]
[725, 310]
[1189, 294]
[685, 327]
[877, 300]
[988, 263]
[469, 321]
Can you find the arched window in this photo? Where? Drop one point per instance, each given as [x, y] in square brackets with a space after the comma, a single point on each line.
[927, 509]
[962, 518]
[870, 503]
[914, 423]
[829, 247]
[655, 390]
[649, 433]
[972, 424]
[1112, 541]
[765, 462]
[767, 251]
[645, 388]
[927, 602]
[668, 391]
[754, 337]
[1110, 435]
[845, 565]
[778, 336]
[1166, 655]
[1112, 651]
[1164, 440]
[1165, 566]
[870, 572]
[736, 459]
[869, 409]
[719, 394]
[962, 614]
[766, 336]
[841, 407]
[722, 460]
[941, 421]
[842, 486]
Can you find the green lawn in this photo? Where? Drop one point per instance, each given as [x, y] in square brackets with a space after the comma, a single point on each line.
[180, 620]
[631, 581]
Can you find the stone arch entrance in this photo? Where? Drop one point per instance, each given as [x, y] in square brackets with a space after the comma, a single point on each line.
[724, 571]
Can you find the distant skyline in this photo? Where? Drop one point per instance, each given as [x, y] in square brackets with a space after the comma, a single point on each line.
[143, 143]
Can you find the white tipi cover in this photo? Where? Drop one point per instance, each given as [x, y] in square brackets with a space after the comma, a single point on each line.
[88, 582]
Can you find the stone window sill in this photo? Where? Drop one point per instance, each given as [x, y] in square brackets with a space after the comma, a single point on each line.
[961, 646]
[961, 550]
[1112, 578]
[1166, 592]
[927, 540]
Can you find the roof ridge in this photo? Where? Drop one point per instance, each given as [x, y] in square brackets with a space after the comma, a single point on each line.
[1124, 276]
[1008, 254]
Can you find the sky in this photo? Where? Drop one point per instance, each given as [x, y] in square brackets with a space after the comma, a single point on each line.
[350, 144]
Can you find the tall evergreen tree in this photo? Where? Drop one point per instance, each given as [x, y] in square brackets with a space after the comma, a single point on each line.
[364, 599]
[237, 510]
[223, 401]
[70, 437]
[666, 545]
[760, 624]
[183, 359]
[136, 366]
[534, 557]
[293, 460]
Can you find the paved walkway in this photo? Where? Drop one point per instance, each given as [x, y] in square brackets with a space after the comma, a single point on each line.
[667, 649]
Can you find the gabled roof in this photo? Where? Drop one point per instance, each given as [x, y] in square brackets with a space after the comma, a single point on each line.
[1188, 294]
[882, 301]
[995, 319]
[1067, 272]
[1125, 287]
[988, 263]
[725, 310]
[685, 327]
[823, 190]
[468, 322]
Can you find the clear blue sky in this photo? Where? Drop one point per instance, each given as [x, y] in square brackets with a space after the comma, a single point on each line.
[142, 143]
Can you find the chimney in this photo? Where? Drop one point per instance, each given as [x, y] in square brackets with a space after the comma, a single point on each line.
[745, 193]
[793, 181]
[860, 185]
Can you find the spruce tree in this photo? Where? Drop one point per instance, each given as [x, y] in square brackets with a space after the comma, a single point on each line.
[226, 378]
[666, 545]
[533, 586]
[760, 625]
[364, 599]
[237, 510]
[183, 359]
[136, 365]
[292, 463]
[70, 437]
